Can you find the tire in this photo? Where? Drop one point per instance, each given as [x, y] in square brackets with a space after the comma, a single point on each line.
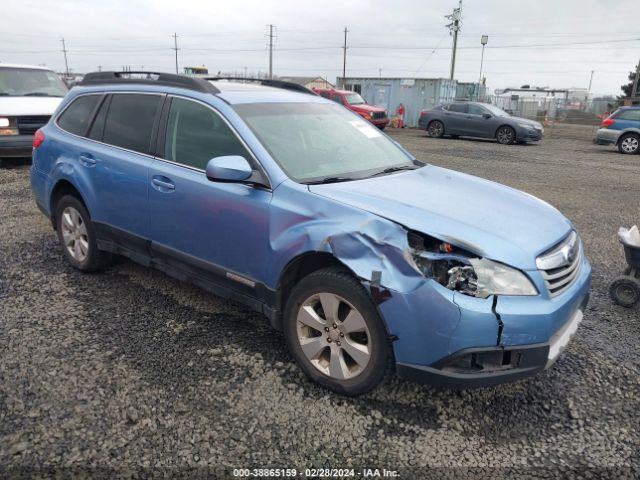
[506, 135]
[625, 291]
[629, 144]
[77, 236]
[435, 129]
[347, 351]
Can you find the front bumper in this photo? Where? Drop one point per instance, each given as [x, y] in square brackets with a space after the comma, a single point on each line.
[529, 135]
[446, 338]
[380, 122]
[485, 367]
[16, 146]
[606, 136]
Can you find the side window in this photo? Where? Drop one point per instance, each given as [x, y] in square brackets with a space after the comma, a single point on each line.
[458, 107]
[477, 109]
[129, 122]
[337, 98]
[196, 134]
[324, 94]
[629, 115]
[76, 118]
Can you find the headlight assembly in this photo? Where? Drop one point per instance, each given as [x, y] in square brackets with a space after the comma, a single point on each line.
[8, 126]
[459, 270]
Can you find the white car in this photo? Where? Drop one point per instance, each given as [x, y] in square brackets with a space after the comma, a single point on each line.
[28, 97]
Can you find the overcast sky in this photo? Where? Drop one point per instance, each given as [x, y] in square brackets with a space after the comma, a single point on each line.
[545, 43]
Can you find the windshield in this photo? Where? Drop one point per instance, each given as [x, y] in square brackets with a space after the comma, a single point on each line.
[19, 82]
[354, 99]
[498, 112]
[315, 141]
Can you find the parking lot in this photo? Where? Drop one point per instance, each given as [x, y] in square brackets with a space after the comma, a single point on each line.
[130, 370]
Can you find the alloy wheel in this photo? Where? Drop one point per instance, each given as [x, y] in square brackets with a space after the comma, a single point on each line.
[505, 135]
[333, 335]
[630, 144]
[436, 129]
[74, 234]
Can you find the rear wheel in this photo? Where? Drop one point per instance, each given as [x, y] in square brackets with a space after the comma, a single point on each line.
[335, 333]
[629, 143]
[506, 135]
[436, 129]
[77, 236]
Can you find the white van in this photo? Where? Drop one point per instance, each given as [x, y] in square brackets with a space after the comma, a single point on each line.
[28, 97]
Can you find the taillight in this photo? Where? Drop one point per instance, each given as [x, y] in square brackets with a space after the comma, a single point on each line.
[424, 113]
[607, 122]
[38, 138]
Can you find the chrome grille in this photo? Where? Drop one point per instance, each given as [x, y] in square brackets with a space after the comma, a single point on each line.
[560, 266]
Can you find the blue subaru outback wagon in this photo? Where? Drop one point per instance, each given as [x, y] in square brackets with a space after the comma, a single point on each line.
[367, 259]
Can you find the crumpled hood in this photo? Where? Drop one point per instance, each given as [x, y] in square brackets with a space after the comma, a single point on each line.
[16, 106]
[492, 220]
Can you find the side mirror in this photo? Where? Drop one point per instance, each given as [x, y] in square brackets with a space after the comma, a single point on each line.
[486, 115]
[229, 168]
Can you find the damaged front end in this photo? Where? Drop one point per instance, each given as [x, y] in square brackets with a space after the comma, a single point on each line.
[462, 271]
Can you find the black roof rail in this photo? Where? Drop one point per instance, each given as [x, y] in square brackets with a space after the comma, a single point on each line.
[267, 82]
[148, 78]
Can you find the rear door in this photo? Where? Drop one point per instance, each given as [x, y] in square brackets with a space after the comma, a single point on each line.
[454, 118]
[125, 127]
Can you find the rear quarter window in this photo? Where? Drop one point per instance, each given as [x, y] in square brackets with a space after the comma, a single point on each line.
[77, 116]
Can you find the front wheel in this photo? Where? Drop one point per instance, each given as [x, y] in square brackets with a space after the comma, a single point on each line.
[335, 333]
[436, 129]
[506, 135]
[629, 143]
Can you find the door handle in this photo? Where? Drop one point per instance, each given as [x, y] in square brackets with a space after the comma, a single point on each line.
[87, 160]
[162, 184]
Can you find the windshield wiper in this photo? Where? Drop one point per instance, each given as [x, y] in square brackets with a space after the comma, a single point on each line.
[330, 180]
[394, 169]
[36, 94]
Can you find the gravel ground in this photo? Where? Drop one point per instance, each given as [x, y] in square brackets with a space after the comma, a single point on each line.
[130, 372]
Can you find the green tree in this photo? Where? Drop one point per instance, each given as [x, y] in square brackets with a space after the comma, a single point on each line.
[627, 88]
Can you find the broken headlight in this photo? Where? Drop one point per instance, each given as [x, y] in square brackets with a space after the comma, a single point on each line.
[463, 272]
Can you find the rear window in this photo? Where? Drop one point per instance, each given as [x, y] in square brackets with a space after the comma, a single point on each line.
[76, 118]
[629, 114]
[130, 121]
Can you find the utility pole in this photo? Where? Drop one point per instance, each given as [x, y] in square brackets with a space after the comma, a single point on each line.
[270, 51]
[66, 64]
[590, 81]
[634, 90]
[454, 28]
[344, 59]
[175, 47]
[483, 40]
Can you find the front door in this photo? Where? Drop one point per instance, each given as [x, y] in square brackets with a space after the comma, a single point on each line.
[217, 231]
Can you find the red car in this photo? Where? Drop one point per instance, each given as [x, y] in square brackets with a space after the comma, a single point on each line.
[353, 101]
